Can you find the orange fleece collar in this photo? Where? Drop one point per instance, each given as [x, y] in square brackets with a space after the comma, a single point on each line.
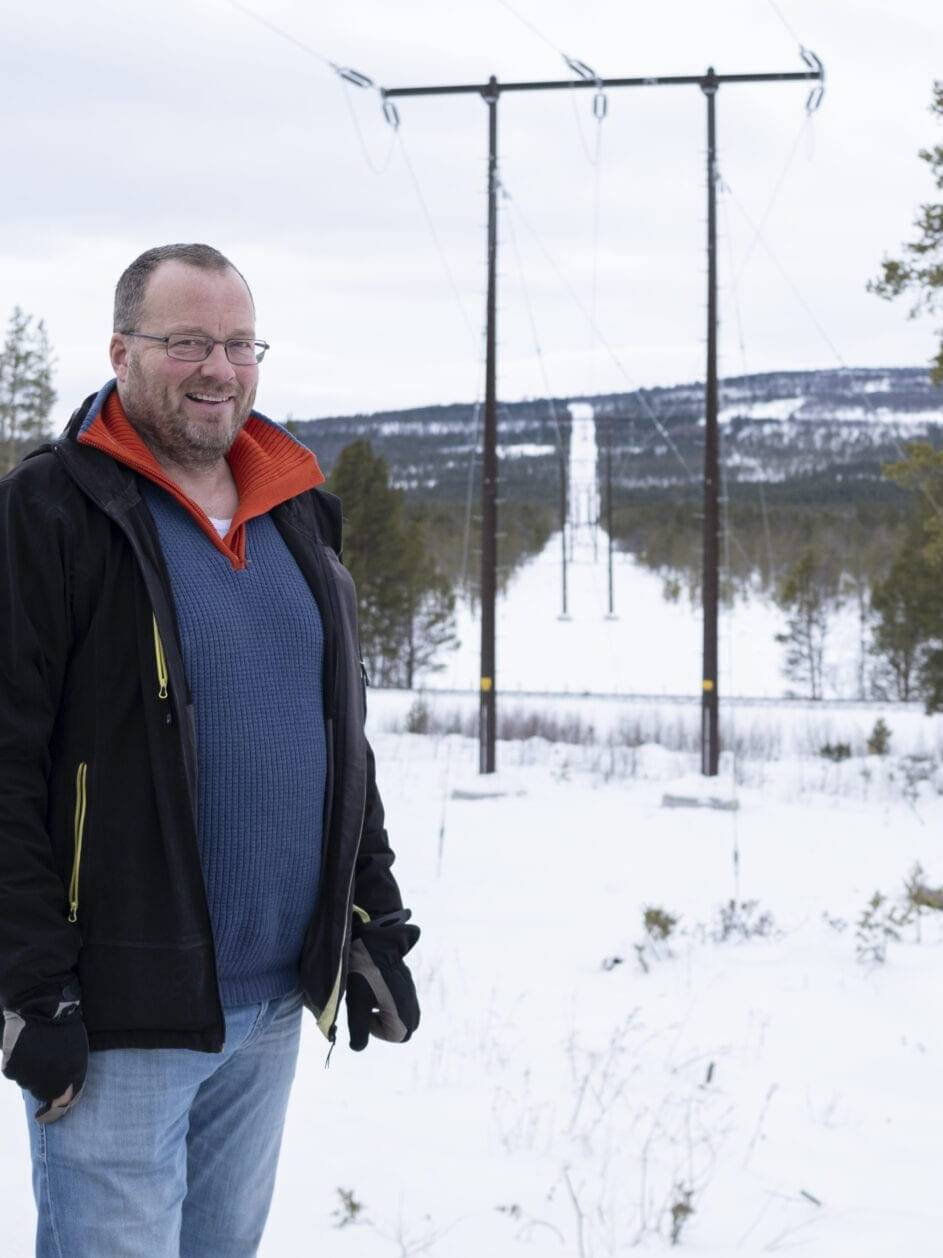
[268, 465]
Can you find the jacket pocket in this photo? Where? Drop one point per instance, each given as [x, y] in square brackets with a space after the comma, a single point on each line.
[160, 661]
[78, 836]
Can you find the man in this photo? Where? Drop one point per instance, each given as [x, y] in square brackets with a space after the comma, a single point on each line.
[192, 845]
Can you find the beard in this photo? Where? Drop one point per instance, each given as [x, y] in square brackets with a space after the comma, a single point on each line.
[157, 411]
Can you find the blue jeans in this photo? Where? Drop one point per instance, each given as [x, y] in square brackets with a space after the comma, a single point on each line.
[169, 1153]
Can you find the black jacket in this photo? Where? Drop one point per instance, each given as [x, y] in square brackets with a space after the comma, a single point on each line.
[100, 872]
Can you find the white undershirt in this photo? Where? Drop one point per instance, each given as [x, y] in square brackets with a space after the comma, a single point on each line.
[221, 526]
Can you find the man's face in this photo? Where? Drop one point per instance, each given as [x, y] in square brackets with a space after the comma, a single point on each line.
[188, 413]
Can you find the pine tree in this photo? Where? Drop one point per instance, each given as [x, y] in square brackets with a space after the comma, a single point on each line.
[909, 603]
[804, 594]
[26, 392]
[373, 552]
[921, 270]
[906, 604]
[430, 611]
[405, 604]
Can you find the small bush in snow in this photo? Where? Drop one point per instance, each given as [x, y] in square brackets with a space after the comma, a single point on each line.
[879, 740]
[880, 923]
[418, 718]
[658, 922]
[919, 894]
[915, 770]
[349, 1210]
[835, 751]
[681, 1211]
[742, 920]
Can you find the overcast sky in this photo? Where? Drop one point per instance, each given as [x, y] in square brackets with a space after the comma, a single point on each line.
[131, 124]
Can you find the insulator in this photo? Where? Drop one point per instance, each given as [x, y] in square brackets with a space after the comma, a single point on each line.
[354, 76]
[581, 69]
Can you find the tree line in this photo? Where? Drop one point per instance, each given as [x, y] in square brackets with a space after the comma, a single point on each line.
[26, 392]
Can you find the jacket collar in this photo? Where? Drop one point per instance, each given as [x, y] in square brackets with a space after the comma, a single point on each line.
[268, 465]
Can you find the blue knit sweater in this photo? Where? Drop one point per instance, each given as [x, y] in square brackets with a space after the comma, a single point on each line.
[253, 646]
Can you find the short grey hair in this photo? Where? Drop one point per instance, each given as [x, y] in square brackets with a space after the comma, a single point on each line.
[129, 292]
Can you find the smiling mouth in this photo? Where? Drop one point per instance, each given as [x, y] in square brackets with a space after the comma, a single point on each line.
[210, 399]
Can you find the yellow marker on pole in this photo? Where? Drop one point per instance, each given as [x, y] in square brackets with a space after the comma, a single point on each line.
[486, 683]
[707, 684]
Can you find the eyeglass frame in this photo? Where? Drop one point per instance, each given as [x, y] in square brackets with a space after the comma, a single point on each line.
[263, 346]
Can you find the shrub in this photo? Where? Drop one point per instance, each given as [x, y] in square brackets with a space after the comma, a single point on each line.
[658, 923]
[349, 1210]
[681, 1211]
[419, 717]
[835, 751]
[880, 923]
[919, 894]
[742, 920]
[879, 740]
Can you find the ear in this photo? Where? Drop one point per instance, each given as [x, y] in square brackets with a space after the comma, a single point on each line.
[118, 353]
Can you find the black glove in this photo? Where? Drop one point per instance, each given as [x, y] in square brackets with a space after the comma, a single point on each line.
[381, 998]
[45, 1050]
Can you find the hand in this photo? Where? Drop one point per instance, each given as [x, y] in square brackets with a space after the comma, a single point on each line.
[45, 1051]
[381, 996]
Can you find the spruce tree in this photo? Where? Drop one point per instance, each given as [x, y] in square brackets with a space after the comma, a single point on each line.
[805, 593]
[909, 633]
[920, 271]
[26, 392]
[907, 605]
[406, 606]
[430, 609]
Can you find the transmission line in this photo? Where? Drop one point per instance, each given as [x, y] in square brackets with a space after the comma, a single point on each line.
[633, 386]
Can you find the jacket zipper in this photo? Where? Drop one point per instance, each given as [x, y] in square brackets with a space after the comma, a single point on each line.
[78, 834]
[328, 1019]
[161, 661]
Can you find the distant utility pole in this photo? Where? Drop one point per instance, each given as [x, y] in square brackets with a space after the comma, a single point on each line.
[611, 614]
[491, 93]
[564, 511]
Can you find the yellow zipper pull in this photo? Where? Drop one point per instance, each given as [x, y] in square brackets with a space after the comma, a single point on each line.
[162, 677]
[78, 833]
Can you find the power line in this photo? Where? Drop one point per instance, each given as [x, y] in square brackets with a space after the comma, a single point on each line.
[382, 167]
[779, 13]
[283, 34]
[531, 27]
[804, 128]
[423, 205]
[785, 275]
[646, 405]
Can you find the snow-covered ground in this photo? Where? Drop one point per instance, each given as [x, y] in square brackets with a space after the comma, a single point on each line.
[560, 1100]
[652, 647]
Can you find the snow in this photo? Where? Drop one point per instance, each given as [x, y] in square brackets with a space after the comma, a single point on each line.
[775, 408]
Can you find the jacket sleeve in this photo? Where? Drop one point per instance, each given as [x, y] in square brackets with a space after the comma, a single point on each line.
[375, 888]
[38, 946]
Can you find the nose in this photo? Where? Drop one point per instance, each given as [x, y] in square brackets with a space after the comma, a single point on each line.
[217, 366]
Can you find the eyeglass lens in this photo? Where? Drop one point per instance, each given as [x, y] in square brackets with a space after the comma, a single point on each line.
[194, 349]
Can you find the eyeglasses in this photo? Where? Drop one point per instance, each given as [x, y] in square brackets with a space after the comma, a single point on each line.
[196, 349]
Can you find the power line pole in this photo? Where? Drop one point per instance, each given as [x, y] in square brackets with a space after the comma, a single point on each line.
[487, 712]
[610, 427]
[491, 92]
[710, 707]
[564, 507]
